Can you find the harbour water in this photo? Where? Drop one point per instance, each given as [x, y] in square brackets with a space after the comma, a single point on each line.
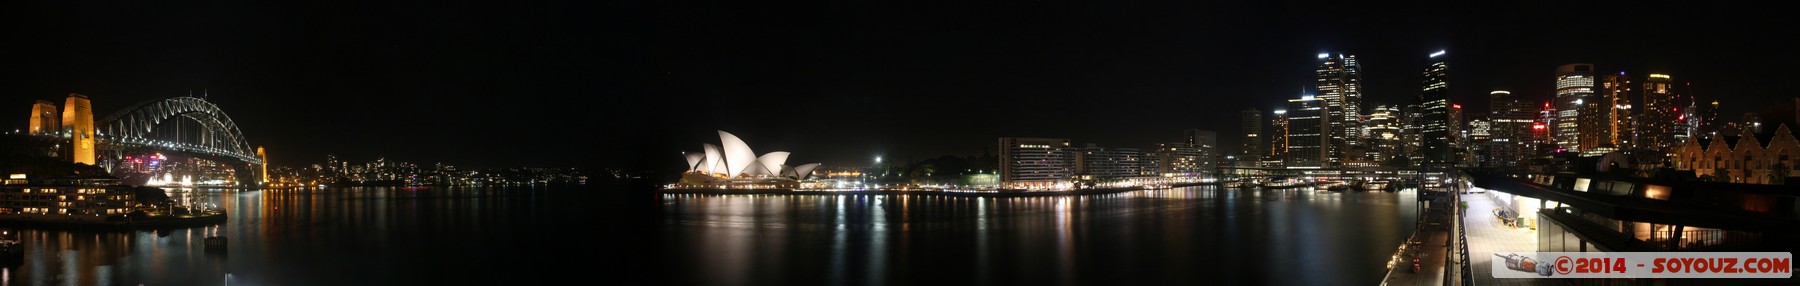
[1200, 235]
[615, 235]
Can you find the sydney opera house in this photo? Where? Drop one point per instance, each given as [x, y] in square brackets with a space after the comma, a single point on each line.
[732, 165]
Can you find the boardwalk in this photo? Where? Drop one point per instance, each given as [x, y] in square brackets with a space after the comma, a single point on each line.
[1488, 235]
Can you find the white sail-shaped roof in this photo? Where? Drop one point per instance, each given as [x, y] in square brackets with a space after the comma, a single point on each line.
[737, 154]
[804, 171]
[756, 170]
[713, 160]
[772, 161]
[694, 160]
[786, 171]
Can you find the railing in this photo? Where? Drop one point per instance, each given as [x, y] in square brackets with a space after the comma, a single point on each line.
[1692, 239]
[1462, 236]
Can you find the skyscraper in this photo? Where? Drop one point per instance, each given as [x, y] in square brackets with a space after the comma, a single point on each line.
[1278, 140]
[1251, 126]
[1510, 131]
[44, 118]
[1206, 143]
[1385, 132]
[1435, 95]
[78, 122]
[1657, 127]
[1034, 162]
[1339, 83]
[1606, 122]
[1308, 133]
[1574, 87]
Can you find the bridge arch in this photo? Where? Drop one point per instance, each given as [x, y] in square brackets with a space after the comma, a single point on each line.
[134, 126]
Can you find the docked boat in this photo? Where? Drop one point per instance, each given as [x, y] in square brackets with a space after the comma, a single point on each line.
[1376, 185]
[1282, 183]
[1234, 183]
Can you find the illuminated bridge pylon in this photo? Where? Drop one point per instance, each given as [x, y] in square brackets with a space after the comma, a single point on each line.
[193, 126]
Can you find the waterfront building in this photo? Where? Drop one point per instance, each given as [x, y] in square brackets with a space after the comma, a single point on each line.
[78, 123]
[1034, 163]
[1101, 163]
[1308, 134]
[64, 200]
[1206, 143]
[730, 165]
[1180, 160]
[44, 118]
[1574, 87]
[1435, 134]
[1251, 125]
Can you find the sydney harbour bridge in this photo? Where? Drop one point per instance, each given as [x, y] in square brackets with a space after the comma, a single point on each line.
[179, 141]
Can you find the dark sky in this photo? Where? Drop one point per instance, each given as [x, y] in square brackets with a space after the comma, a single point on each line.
[632, 84]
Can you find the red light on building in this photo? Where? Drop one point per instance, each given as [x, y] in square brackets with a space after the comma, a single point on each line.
[1537, 126]
[1456, 105]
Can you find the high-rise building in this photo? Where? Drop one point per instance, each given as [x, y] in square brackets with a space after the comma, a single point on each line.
[1096, 162]
[1385, 132]
[45, 118]
[1707, 120]
[1435, 95]
[1308, 133]
[1251, 126]
[1180, 159]
[1278, 139]
[1574, 87]
[1457, 137]
[1339, 83]
[1206, 143]
[1480, 139]
[1034, 162]
[1657, 127]
[1411, 131]
[1607, 122]
[1510, 131]
[78, 122]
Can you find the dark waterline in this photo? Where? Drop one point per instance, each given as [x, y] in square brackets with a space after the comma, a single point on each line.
[352, 236]
[1192, 235]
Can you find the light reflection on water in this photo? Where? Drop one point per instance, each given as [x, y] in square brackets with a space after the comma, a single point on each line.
[1193, 235]
[346, 236]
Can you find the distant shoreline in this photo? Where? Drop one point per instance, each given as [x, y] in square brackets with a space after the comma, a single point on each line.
[919, 192]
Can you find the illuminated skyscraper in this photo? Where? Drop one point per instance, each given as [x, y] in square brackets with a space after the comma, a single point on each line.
[1510, 132]
[78, 122]
[45, 118]
[1339, 82]
[1251, 126]
[1574, 87]
[1385, 132]
[1435, 93]
[1308, 133]
[1278, 140]
[1606, 122]
[1657, 127]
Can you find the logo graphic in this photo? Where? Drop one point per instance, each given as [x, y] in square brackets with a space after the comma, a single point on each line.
[1642, 265]
[1528, 265]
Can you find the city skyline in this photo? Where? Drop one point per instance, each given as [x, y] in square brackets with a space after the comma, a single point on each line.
[850, 84]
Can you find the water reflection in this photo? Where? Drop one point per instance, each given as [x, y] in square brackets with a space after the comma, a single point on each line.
[1194, 235]
[347, 236]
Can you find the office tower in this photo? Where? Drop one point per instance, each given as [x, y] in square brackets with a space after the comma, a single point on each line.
[1658, 125]
[1510, 131]
[1278, 140]
[1308, 133]
[1206, 143]
[1435, 120]
[1574, 87]
[1251, 126]
[1339, 82]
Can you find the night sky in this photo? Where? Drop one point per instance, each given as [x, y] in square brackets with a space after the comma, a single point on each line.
[633, 84]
